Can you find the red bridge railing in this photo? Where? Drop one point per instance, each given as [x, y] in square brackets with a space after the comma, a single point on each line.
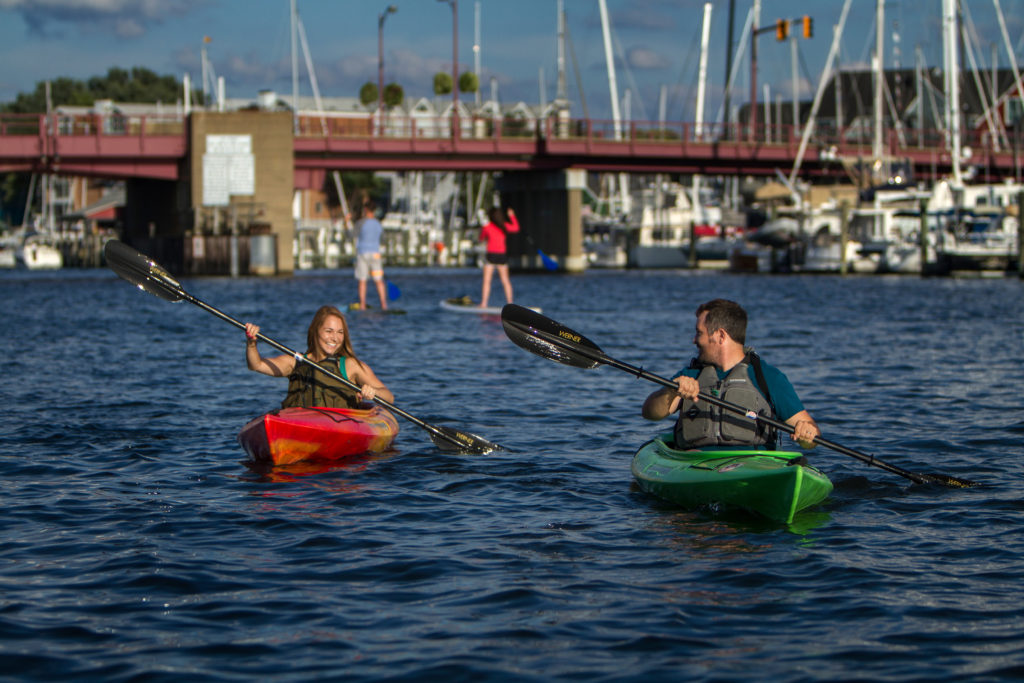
[153, 145]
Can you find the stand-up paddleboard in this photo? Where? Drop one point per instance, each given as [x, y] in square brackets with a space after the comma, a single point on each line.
[356, 308]
[464, 304]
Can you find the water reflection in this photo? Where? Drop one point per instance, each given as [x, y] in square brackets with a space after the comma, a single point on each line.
[711, 526]
[315, 473]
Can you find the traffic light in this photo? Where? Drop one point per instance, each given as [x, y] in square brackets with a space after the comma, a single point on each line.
[808, 26]
[781, 29]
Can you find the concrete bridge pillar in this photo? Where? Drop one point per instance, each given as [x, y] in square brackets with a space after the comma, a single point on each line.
[236, 182]
[241, 169]
[549, 205]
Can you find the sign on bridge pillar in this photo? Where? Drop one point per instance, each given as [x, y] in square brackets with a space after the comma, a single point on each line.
[549, 205]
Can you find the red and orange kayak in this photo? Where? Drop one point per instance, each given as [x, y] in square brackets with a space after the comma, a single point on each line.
[293, 434]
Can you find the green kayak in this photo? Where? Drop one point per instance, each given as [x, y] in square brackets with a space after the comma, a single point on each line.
[775, 484]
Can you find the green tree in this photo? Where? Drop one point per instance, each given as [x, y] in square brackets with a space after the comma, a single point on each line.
[136, 85]
[357, 184]
[468, 82]
[62, 91]
[393, 95]
[368, 93]
[442, 83]
[121, 85]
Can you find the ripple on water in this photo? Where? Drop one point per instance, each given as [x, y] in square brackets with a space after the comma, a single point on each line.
[138, 544]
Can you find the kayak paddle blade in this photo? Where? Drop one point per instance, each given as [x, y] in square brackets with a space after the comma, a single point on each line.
[543, 336]
[947, 480]
[458, 441]
[142, 271]
[393, 291]
[548, 262]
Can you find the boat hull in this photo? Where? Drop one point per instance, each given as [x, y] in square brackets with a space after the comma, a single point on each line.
[40, 256]
[292, 435]
[774, 484]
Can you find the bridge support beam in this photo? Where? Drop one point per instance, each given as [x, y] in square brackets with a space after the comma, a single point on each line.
[549, 205]
[156, 216]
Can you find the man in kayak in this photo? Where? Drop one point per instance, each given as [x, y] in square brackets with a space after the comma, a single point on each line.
[726, 369]
[328, 345]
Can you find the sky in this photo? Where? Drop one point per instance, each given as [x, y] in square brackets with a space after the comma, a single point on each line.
[656, 45]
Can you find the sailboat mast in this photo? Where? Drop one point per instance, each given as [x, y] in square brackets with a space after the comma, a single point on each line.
[952, 72]
[728, 59]
[879, 76]
[702, 72]
[562, 94]
[48, 199]
[613, 86]
[476, 50]
[614, 89]
[1009, 51]
[826, 74]
[698, 208]
[295, 66]
[755, 13]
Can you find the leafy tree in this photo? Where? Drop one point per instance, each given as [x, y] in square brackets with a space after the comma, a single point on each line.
[121, 85]
[357, 184]
[368, 93]
[468, 82]
[62, 91]
[442, 83]
[136, 85]
[393, 95]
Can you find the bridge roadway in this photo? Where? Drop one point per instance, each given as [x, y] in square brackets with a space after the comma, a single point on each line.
[157, 147]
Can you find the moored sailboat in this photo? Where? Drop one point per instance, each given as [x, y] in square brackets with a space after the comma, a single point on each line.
[38, 252]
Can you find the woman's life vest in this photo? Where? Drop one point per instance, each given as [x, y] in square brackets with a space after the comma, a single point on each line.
[310, 388]
[701, 424]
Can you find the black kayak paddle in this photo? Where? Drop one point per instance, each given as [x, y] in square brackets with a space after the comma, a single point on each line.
[544, 337]
[147, 275]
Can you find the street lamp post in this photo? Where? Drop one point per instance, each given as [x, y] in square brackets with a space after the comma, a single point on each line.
[380, 57]
[455, 66]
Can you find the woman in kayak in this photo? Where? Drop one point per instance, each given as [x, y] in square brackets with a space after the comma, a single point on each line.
[725, 368]
[329, 346]
[493, 234]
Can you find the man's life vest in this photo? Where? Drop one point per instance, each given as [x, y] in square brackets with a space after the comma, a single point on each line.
[310, 388]
[701, 424]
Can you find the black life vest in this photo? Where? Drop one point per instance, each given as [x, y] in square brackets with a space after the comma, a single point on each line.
[310, 388]
[701, 424]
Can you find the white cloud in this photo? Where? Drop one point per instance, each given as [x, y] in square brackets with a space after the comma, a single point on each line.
[645, 58]
[125, 18]
[128, 28]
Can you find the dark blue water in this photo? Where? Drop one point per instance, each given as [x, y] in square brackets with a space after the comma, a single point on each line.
[138, 545]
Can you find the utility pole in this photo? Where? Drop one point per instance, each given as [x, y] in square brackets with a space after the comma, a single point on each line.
[380, 57]
[455, 67]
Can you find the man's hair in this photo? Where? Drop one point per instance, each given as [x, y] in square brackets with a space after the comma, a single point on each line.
[726, 315]
[369, 205]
